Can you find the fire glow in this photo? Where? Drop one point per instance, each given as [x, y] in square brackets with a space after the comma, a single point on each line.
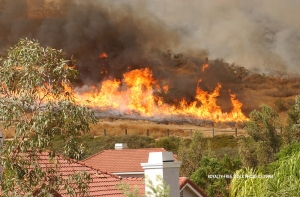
[204, 66]
[136, 93]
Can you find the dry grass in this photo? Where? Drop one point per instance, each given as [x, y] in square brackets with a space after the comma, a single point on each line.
[117, 127]
[139, 127]
[283, 91]
[8, 133]
[276, 92]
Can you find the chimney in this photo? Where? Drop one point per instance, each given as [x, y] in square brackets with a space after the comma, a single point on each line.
[162, 164]
[120, 146]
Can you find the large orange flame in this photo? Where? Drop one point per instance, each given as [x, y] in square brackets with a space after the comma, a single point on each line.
[135, 94]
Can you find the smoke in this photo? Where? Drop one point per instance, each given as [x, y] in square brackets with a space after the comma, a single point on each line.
[131, 35]
[260, 35]
[264, 36]
[85, 30]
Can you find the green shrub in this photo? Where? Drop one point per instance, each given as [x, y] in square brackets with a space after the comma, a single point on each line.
[221, 141]
[210, 165]
[95, 145]
[231, 152]
[169, 143]
[263, 141]
[280, 105]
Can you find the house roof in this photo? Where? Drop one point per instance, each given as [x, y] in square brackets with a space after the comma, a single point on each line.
[104, 183]
[129, 160]
[125, 160]
[101, 184]
[135, 182]
[184, 181]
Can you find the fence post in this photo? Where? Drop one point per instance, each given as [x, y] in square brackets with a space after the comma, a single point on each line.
[1, 139]
[235, 132]
[191, 133]
[213, 132]
[168, 132]
[104, 132]
[147, 132]
[125, 131]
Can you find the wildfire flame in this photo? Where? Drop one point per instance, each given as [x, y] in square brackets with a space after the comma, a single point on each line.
[166, 89]
[103, 55]
[135, 93]
[204, 66]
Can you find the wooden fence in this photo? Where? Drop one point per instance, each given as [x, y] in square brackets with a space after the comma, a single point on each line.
[214, 131]
[168, 132]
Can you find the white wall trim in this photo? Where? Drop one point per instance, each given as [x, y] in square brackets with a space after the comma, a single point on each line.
[191, 187]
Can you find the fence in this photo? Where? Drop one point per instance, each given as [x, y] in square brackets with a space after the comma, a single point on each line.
[168, 132]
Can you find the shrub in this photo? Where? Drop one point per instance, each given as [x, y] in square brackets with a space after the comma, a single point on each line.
[263, 141]
[282, 93]
[209, 165]
[231, 152]
[221, 141]
[280, 105]
[97, 144]
[190, 153]
[255, 78]
[169, 143]
[291, 132]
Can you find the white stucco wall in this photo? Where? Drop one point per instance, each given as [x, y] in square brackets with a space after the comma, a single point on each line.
[162, 164]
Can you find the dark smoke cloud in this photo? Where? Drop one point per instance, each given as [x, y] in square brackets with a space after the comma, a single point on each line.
[88, 29]
[130, 34]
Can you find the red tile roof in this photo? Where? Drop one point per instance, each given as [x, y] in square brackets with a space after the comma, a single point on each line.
[101, 184]
[125, 160]
[135, 182]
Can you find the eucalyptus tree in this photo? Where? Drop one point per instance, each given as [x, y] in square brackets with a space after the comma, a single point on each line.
[37, 102]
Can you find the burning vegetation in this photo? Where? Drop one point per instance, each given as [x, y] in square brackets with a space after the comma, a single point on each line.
[136, 92]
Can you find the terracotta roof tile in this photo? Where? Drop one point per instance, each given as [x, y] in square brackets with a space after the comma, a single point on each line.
[125, 160]
[136, 182]
[102, 183]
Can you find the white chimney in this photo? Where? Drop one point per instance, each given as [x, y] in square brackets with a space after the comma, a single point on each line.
[162, 164]
[120, 146]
